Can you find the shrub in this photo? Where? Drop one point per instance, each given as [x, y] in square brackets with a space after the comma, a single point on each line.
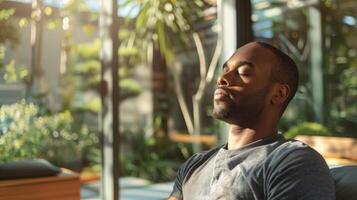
[25, 134]
[307, 128]
[155, 159]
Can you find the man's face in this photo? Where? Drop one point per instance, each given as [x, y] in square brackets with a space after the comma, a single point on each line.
[244, 85]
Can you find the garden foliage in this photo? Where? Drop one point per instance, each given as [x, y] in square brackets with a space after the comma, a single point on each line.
[25, 133]
[307, 128]
[155, 159]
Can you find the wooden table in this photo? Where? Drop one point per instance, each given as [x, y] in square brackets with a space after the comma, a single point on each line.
[65, 186]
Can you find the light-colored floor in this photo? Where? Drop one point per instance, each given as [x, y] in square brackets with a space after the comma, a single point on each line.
[130, 189]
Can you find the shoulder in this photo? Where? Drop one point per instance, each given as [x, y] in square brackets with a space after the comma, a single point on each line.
[294, 150]
[294, 157]
[297, 169]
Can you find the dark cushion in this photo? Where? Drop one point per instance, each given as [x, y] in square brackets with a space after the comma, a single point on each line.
[345, 182]
[27, 169]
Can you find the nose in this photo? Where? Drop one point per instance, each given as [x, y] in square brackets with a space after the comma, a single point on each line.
[223, 80]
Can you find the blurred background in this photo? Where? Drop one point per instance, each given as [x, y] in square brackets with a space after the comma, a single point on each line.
[170, 55]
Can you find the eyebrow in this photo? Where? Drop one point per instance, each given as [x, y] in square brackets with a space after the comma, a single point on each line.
[240, 63]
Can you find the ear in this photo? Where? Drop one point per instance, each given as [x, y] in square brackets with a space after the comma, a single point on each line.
[280, 94]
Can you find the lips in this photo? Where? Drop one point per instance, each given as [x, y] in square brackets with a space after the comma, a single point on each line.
[221, 94]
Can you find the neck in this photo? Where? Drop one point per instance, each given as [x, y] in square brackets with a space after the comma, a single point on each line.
[240, 136]
[243, 132]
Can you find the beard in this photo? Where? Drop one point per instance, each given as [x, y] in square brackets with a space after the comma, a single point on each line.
[241, 110]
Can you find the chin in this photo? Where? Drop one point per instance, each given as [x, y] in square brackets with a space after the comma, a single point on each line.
[221, 111]
[233, 113]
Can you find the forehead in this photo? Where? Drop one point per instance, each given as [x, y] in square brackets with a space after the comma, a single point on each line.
[260, 56]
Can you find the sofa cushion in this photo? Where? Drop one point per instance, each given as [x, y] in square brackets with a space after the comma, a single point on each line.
[345, 182]
[27, 169]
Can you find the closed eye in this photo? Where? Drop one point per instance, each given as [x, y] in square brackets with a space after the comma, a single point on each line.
[245, 71]
[246, 75]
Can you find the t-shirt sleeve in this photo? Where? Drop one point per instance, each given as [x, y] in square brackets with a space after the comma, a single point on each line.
[177, 188]
[187, 168]
[301, 174]
[180, 176]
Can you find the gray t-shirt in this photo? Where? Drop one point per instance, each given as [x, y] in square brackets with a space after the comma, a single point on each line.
[271, 168]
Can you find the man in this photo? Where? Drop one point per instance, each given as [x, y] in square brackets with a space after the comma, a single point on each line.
[254, 89]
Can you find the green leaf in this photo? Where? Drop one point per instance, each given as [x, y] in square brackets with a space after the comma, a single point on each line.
[6, 13]
[142, 17]
[125, 3]
[163, 42]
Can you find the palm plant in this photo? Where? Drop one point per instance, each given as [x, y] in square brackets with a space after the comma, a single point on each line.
[169, 26]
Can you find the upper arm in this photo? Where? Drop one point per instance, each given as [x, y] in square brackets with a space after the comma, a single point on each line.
[177, 193]
[186, 170]
[303, 174]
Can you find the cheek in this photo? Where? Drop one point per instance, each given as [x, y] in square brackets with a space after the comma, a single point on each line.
[246, 81]
[251, 96]
[241, 91]
[261, 95]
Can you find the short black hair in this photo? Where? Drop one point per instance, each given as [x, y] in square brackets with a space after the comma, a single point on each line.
[285, 71]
